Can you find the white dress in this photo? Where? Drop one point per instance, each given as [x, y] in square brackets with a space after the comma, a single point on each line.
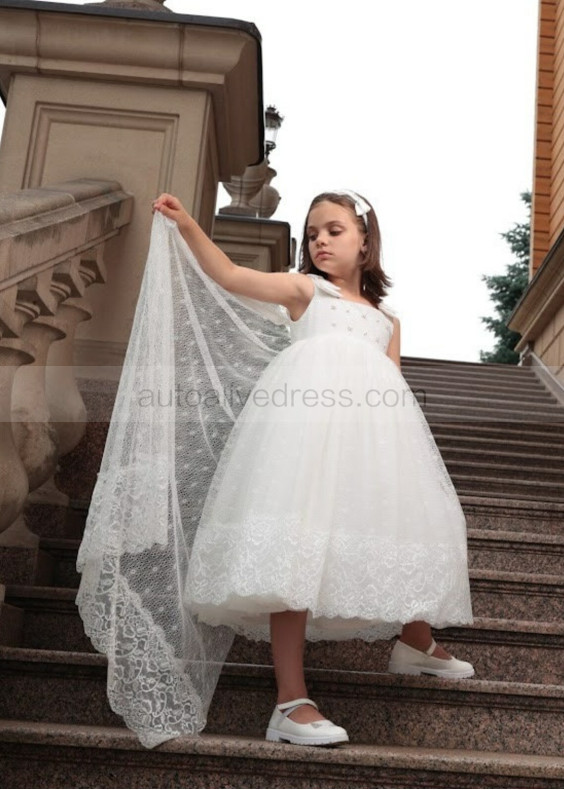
[330, 494]
[212, 510]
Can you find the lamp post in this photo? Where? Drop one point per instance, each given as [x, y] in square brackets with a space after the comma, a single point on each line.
[266, 201]
[273, 122]
[251, 194]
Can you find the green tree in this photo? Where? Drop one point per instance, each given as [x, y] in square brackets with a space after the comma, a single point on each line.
[506, 290]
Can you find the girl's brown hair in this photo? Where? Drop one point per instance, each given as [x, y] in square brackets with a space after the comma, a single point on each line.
[373, 281]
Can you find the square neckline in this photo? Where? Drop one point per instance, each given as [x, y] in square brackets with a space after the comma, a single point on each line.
[341, 298]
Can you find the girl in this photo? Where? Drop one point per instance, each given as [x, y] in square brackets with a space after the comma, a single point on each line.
[333, 515]
[316, 506]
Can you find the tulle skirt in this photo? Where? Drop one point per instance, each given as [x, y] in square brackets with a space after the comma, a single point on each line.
[330, 496]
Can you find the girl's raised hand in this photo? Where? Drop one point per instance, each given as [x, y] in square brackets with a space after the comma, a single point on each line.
[172, 208]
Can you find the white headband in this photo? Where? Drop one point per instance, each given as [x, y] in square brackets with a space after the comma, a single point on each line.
[360, 206]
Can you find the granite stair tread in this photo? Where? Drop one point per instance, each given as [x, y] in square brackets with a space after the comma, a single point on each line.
[376, 708]
[521, 444]
[441, 685]
[475, 409]
[522, 429]
[505, 460]
[357, 763]
[489, 401]
[522, 538]
[499, 647]
[540, 420]
[518, 577]
[515, 504]
[496, 386]
[517, 372]
[519, 475]
[537, 490]
[528, 552]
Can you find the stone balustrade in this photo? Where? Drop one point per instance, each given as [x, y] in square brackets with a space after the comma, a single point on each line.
[51, 250]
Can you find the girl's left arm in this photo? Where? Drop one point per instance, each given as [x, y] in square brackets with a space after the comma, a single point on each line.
[394, 347]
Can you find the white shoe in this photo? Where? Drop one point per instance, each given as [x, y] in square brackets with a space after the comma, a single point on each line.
[316, 733]
[406, 660]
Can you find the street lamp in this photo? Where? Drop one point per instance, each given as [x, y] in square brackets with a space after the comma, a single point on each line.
[273, 122]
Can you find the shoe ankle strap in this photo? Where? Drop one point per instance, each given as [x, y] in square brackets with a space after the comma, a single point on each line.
[431, 649]
[287, 707]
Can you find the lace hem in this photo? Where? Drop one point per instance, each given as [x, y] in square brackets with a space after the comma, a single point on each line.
[241, 571]
[141, 659]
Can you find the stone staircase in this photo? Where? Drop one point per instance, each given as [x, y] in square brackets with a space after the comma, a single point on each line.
[501, 434]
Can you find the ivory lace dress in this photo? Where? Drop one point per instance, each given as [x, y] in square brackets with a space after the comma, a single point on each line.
[331, 494]
[255, 464]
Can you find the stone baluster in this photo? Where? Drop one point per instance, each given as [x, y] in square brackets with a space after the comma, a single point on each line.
[13, 353]
[65, 404]
[242, 189]
[35, 437]
[41, 304]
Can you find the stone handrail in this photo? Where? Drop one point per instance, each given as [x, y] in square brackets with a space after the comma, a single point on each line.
[51, 249]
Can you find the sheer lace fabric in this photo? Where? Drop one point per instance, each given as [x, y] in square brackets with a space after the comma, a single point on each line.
[226, 493]
[194, 353]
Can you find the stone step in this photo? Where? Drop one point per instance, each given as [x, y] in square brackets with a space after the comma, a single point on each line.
[51, 620]
[461, 421]
[383, 709]
[448, 441]
[467, 402]
[11, 621]
[513, 514]
[457, 426]
[494, 467]
[64, 552]
[517, 596]
[66, 755]
[465, 409]
[480, 483]
[506, 462]
[522, 552]
[457, 384]
[523, 648]
[58, 523]
[473, 370]
[504, 650]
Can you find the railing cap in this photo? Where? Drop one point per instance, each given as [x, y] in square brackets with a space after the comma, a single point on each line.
[32, 202]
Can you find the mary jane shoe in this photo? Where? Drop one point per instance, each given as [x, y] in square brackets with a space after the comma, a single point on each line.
[406, 660]
[316, 733]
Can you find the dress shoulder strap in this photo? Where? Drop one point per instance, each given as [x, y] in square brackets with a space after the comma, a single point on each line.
[391, 312]
[324, 285]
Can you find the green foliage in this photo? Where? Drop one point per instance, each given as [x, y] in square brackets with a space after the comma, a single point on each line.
[506, 290]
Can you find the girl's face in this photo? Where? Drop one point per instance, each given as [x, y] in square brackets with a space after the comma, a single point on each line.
[334, 239]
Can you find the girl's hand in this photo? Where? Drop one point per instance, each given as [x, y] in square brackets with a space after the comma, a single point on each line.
[172, 208]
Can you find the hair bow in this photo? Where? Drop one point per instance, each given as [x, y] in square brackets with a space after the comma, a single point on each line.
[361, 207]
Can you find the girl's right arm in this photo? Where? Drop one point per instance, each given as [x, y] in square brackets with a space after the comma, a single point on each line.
[278, 287]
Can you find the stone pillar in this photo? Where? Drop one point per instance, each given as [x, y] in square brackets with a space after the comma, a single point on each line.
[161, 102]
[260, 244]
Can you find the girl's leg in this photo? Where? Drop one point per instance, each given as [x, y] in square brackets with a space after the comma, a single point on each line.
[287, 634]
[418, 635]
